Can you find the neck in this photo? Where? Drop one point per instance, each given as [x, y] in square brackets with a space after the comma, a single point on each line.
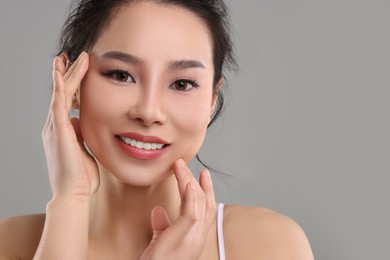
[120, 213]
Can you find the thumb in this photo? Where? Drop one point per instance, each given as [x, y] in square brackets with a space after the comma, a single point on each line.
[160, 221]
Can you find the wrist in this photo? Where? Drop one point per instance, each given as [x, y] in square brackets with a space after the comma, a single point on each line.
[68, 203]
[65, 234]
[66, 198]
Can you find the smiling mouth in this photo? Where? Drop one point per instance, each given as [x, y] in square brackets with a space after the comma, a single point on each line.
[141, 145]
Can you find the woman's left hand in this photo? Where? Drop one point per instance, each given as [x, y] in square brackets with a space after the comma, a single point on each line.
[186, 237]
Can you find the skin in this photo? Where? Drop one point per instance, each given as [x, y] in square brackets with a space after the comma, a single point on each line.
[112, 206]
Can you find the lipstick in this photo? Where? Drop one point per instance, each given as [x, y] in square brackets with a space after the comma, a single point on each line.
[140, 146]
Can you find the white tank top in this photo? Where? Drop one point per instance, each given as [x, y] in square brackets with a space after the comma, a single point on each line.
[221, 244]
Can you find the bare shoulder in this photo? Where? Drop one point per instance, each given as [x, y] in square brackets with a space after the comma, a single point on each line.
[19, 236]
[259, 233]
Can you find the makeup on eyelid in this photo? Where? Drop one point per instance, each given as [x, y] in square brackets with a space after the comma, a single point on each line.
[119, 75]
[124, 76]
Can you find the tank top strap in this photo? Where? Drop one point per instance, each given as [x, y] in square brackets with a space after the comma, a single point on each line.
[221, 243]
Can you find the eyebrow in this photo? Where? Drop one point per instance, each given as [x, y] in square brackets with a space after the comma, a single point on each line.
[186, 64]
[128, 58]
[134, 60]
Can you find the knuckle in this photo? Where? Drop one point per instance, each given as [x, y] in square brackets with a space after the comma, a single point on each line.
[191, 219]
[202, 197]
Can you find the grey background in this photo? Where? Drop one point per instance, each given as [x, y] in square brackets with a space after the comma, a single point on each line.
[306, 131]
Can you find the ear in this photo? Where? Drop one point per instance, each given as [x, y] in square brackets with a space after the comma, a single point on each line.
[215, 96]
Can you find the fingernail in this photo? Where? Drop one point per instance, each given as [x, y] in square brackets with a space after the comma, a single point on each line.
[181, 162]
[209, 176]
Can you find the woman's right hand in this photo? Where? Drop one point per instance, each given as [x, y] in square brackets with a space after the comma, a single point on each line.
[73, 172]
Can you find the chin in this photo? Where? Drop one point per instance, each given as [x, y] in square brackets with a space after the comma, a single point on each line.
[138, 173]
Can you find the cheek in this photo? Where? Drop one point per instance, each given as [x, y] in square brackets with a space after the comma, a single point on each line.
[190, 119]
[98, 104]
[99, 107]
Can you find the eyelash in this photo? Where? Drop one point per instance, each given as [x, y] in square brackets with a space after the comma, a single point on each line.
[114, 73]
[193, 83]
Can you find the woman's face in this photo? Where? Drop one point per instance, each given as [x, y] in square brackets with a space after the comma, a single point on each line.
[149, 85]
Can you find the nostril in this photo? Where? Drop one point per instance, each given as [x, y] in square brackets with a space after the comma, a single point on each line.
[147, 110]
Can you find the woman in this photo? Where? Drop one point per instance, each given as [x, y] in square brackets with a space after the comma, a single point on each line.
[146, 77]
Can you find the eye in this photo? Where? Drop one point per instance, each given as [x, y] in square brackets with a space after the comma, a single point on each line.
[184, 85]
[120, 75]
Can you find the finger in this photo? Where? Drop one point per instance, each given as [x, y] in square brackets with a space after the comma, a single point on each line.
[201, 198]
[187, 225]
[75, 65]
[207, 186]
[48, 123]
[58, 111]
[188, 218]
[190, 205]
[184, 172]
[70, 69]
[184, 175]
[191, 221]
[76, 74]
[61, 66]
[181, 176]
[160, 221]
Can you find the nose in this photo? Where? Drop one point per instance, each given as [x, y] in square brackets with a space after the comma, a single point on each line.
[148, 107]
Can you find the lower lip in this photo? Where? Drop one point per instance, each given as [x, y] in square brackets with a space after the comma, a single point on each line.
[139, 153]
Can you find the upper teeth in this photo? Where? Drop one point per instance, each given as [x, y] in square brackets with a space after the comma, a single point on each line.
[142, 145]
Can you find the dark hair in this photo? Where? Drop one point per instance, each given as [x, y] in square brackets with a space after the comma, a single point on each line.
[89, 17]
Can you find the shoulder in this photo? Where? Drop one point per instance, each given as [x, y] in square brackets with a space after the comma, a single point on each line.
[19, 236]
[259, 233]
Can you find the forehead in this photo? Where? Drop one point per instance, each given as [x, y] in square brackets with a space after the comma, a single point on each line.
[157, 32]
